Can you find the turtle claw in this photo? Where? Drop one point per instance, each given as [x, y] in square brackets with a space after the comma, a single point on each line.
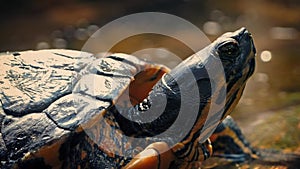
[156, 156]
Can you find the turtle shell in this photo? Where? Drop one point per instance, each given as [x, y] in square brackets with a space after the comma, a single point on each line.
[49, 97]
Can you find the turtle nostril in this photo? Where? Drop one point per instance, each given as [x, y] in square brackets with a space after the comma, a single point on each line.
[247, 36]
[242, 31]
[242, 34]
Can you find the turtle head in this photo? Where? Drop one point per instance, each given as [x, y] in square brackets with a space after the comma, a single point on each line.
[225, 64]
[218, 73]
[236, 51]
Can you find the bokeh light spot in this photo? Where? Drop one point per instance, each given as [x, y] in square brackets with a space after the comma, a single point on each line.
[42, 45]
[266, 56]
[212, 28]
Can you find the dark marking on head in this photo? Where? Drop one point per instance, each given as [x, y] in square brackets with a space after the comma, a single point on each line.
[16, 54]
[121, 59]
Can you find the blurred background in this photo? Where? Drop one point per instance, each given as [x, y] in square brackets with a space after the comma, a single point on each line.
[269, 112]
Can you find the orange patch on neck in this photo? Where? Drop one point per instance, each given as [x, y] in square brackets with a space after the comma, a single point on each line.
[143, 83]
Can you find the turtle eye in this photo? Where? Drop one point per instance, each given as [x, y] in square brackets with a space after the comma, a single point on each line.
[230, 49]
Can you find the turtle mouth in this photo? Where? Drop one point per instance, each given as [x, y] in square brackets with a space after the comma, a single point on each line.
[251, 64]
[251, 61]
[247, 41]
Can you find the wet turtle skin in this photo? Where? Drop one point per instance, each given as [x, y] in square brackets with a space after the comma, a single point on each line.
[51, 98]
[236, 52]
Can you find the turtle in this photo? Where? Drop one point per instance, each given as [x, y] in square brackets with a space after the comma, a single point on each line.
[72, 109]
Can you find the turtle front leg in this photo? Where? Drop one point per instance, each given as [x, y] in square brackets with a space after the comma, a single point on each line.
[157, 155]
[190, 156]
[229, 142]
